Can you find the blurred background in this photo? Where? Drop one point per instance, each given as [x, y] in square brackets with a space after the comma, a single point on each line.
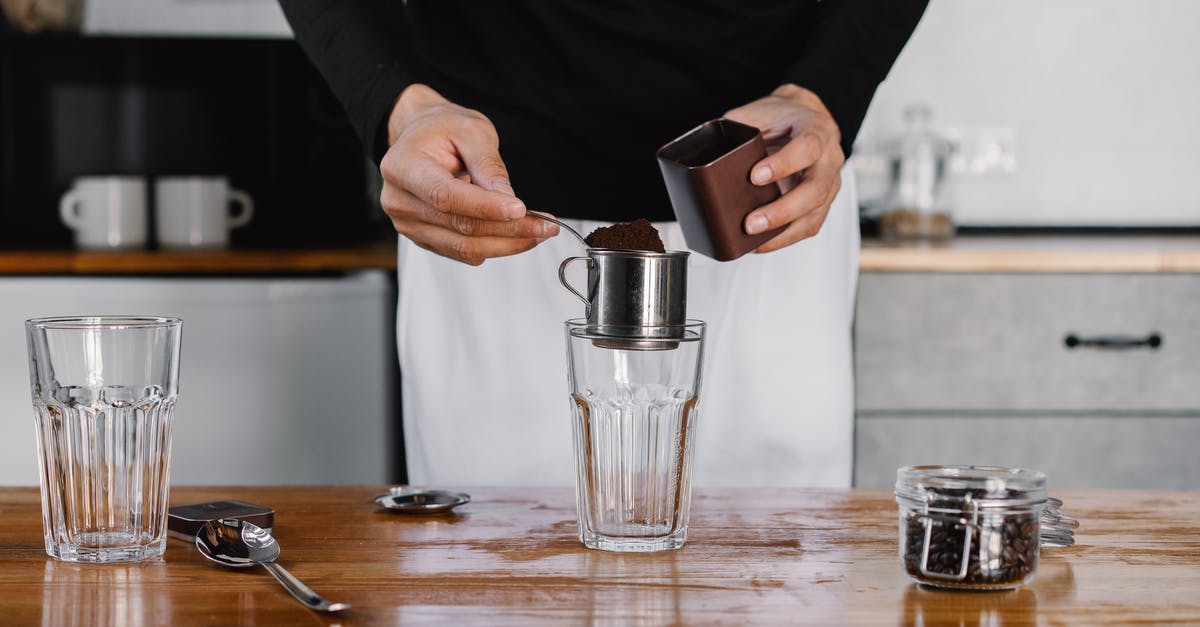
[1031, 269]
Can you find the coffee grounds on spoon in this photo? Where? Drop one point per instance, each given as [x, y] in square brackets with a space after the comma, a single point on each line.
[636, 235]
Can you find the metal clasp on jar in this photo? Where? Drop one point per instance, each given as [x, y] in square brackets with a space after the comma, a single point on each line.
[968, 526]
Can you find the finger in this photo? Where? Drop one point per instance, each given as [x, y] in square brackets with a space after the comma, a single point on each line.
[403, 207]
[526, 227]
[469, 250]
[820, 184]
[799, 153]
[480, 151]
[753, 114]
[801, 229]
[438, 188]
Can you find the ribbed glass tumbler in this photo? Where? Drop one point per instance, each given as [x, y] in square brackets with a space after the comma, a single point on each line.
[104, 389]
[634, 423]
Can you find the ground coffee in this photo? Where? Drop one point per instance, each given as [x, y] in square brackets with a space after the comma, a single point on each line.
[636, 235]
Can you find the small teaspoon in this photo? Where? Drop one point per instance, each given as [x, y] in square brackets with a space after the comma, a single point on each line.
[237, 543]
[562, 225]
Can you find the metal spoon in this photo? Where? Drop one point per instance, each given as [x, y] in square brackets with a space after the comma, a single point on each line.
[561, 225]
[237, 543]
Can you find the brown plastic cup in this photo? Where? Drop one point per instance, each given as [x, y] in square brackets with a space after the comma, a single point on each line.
[707, 173]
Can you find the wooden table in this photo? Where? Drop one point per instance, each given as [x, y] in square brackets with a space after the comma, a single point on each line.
[768, 556]
[224, 262]
[1037, 253]
[966, 253]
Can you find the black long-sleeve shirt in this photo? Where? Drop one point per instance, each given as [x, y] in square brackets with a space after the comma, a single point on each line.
[583, 93]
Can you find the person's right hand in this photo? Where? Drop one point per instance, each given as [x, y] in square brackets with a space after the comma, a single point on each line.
[445, 186]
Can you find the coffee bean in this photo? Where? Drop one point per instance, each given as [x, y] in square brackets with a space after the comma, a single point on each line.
[1018, 539]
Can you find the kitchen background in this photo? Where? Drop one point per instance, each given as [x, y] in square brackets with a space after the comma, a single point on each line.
[1072, 113]
[1069, 112]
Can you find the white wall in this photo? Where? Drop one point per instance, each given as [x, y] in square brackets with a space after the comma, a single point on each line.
[1102, 96]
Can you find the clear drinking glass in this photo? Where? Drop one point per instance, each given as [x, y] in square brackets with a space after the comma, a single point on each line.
[104, 389]
[634, 422]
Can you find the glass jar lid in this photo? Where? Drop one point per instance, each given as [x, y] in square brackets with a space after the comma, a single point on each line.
[987, 486]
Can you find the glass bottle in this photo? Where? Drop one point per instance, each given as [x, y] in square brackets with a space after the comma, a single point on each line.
[917, 205]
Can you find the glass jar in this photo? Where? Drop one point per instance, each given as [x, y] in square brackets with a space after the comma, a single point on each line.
[970, 527]
[917, 205]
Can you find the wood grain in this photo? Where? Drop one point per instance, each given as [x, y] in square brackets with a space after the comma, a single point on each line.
[962, 254]
[210, 262]
[1109, 254]
[773, 556]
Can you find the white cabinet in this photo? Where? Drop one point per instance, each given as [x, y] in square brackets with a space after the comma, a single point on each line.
[283, 380]
[955, 368]
[191, 18]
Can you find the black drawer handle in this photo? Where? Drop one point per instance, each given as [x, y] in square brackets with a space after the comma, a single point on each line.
[1116, 342]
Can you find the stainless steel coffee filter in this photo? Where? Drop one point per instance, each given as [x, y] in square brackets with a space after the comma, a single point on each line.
[634, 299]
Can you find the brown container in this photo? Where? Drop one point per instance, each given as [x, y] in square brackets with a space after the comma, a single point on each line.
[707, 173]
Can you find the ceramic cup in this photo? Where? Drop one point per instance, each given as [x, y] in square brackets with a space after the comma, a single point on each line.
[197, 212]
[106, 212]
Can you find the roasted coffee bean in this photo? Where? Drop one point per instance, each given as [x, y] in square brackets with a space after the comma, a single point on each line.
[1018, 539]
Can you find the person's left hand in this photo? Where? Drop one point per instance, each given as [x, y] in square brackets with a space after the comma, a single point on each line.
[804, 158]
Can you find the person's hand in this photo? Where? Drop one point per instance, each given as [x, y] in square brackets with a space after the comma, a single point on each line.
[804, 158]
[445, 186]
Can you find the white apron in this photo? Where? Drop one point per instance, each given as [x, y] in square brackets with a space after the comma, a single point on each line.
[484, 375]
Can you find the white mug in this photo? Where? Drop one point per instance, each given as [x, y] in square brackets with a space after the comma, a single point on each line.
[194, 212]
[106, 212]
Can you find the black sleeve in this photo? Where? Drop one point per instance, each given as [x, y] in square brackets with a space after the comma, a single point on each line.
[360, 47]
[849, 51]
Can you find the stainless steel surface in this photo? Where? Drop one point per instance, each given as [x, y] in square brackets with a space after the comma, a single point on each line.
[237, 543]
[561, 225]
[407, 500]
[1057, 529]
[633, 295]
[562, 278]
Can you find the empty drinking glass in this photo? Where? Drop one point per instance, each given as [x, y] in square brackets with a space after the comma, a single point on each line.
[634, 422]
[104, 389]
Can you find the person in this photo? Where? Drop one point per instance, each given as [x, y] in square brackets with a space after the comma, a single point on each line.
[478, 112]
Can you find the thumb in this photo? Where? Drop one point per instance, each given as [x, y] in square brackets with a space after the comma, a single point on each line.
[489, 172]
[480, 154]
[501, 184]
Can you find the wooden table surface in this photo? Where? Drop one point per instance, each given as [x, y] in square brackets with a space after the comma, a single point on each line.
[759, 556]
[1037, 253]
[966, 253]
[233, 261]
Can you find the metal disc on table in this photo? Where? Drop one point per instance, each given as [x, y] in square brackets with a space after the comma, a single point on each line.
[417, 501]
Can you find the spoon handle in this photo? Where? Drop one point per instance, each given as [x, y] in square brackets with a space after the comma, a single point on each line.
[560, 223]
[303, 593]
